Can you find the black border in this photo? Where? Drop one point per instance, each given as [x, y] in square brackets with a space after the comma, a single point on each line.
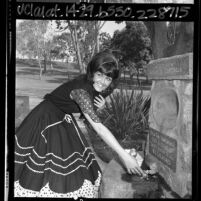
[10, 65]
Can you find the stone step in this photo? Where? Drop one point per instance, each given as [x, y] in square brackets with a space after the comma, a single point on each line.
[116, 183]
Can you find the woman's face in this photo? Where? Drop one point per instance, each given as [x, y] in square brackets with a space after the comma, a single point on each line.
[101, 81]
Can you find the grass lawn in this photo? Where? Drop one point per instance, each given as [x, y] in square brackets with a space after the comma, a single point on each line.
[28, 81]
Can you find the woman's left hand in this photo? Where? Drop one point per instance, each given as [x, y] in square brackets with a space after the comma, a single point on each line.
[99, 102]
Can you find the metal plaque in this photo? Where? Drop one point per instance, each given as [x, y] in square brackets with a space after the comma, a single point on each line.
[164, 148]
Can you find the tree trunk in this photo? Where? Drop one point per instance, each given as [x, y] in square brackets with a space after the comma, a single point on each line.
[41, 70]
[39, 62]
[51, 65]
[45, 63]
[98, 25]
[79, 58]
[158, 38]
[73, 32]
[161, 47]
[97, 37]
[183, 40]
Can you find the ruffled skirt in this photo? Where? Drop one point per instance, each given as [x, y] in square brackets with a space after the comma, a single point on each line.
[53, 158]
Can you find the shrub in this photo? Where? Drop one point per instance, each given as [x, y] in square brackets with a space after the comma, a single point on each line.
[126, 114]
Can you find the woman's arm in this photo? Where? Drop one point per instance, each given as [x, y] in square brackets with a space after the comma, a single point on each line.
[82, 98]
[129, 162]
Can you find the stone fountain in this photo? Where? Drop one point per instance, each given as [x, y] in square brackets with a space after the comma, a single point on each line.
[169, 144]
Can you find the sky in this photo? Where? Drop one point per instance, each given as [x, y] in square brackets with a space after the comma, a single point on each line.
[111, 26]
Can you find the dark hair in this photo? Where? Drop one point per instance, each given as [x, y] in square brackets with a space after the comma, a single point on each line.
[106, 63]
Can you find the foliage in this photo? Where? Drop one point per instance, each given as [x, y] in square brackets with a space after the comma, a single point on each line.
[32, 38]
[61, 39]
[62, 46]
[126, 114]
[134, 46]
[105, 41]
[85, 38]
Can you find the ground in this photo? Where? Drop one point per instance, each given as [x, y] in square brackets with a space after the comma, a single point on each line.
[28, 81]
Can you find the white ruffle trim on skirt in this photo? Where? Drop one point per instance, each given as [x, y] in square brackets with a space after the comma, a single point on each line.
[87, 190]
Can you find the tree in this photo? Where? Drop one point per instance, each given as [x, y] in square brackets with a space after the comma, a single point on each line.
[62, 48]
[90, 42]
[34, 39]
[85, 39]
[133, 45]
[170, 38]
[104, 40]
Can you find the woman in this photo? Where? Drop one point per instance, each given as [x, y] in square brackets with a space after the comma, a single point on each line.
[52, 157]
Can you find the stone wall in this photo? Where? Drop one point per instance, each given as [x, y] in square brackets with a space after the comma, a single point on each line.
[117, 183]
[170, 137]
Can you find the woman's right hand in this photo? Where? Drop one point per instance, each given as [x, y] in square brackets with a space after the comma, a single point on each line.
[131, 164]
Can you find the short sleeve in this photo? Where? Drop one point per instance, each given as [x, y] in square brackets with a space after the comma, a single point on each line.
[82, 98]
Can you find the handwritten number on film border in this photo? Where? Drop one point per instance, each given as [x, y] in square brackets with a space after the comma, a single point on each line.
[160, 13]
[102, 11]
[86, 9]
[153, 13]
[71, 10]
[112, 11]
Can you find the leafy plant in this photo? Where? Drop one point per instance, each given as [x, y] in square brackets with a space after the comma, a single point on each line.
[126, 114]
[133, 46]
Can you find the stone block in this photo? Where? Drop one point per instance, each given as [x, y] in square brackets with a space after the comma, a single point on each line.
[116, 183]
[170, 118]
[170, 68]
